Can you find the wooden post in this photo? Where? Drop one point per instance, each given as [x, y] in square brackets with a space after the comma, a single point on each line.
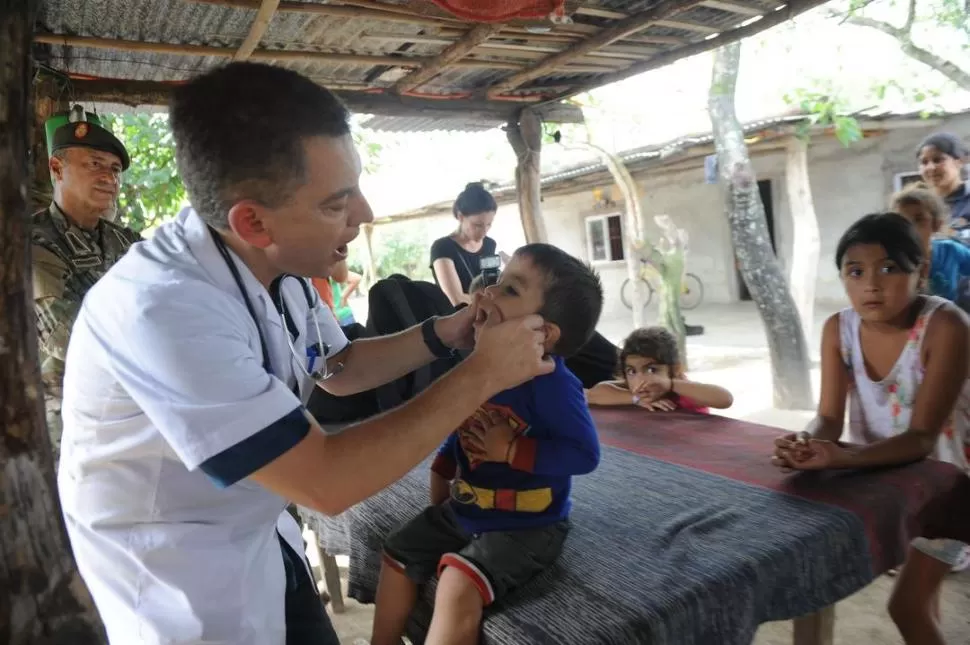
[805, 239]
[815, 629]
[42, 597]
[525, 136]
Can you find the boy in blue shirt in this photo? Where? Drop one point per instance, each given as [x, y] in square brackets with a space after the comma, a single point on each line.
[500, 484]
[949, 260]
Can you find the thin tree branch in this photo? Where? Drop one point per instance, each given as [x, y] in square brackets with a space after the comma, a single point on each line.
[942, 65]
[910, 18]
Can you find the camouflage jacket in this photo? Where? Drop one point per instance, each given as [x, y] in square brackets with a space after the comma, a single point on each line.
[67, 261]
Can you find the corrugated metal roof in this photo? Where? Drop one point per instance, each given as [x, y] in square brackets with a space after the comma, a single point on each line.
[221, 24]
[667, 149]
[504, 191]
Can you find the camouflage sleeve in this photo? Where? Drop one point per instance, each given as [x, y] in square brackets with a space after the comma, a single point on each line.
[55, 311]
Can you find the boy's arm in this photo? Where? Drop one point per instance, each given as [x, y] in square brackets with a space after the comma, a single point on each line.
[443, 470]
[575, 448]
[609, 393]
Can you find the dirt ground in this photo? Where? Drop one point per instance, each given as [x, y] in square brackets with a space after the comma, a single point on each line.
[860, 619]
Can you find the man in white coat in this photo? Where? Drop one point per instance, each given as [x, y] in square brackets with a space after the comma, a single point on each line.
[184, 432]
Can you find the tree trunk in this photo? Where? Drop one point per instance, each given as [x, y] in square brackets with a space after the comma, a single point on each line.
[633, 224]
[804, 266]
[525, 136]
[749, 233]
[42, 597]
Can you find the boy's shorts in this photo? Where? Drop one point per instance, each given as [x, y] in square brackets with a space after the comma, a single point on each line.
[497, 561]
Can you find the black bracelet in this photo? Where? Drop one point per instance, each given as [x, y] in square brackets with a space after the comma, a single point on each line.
[437, 348]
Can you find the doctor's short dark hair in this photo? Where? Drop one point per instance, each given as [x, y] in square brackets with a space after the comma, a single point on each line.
[891, 231]
[572, 295]
[239, 132]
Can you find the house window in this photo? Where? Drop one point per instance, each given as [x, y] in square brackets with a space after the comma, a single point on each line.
[604, 238]
[903, 179]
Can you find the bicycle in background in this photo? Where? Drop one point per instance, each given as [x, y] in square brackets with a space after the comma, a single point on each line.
[692, 288]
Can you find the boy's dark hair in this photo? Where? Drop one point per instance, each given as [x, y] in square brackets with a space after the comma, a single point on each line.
[891, 231]
[477, 284]
[922, 196]
[656, 343]
[474, 200]
[572, 295]
[239, 132]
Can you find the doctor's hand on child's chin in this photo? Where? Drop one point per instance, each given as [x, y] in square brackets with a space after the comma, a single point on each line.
[457, 330]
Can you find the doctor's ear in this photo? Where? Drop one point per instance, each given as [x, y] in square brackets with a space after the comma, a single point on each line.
[247, 220]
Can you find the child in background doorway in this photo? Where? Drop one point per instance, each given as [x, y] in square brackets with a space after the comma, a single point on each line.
[949, 260]
[500, 485]
[900, 360]
[652, 377]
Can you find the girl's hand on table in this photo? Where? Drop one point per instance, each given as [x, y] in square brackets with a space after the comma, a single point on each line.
[801, 452]
[660, 405]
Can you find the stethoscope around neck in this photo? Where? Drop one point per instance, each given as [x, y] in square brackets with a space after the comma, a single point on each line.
[314, 353]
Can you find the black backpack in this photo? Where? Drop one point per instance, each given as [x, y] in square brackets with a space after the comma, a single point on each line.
[595, 362]
[398, 303]
[328, 409]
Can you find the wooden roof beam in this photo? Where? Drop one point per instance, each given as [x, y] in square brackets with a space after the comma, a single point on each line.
[622, 29]
[734, 7]
[496, 43]
[686, 26]
[260, 54]
[453, 53]
[386, 12]
[723, 5]
[769, 20]
[260, 24]
[153, 93]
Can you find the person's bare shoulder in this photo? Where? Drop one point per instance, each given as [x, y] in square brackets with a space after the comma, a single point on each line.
[946, 323]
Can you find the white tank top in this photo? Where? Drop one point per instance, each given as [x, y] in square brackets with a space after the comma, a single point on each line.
[882, 409]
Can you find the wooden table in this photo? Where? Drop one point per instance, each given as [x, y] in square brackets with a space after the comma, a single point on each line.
[686, 534]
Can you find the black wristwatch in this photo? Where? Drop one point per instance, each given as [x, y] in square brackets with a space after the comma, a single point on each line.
[431, 339]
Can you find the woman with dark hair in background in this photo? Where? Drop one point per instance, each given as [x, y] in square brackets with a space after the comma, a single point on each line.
[942, 157]
[456, 258]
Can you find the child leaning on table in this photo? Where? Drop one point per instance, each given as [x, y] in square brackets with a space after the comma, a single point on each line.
[900, 360]
[652, 376]
[500, 484]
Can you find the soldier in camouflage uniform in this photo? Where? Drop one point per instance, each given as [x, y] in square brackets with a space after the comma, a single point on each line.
[74, 242]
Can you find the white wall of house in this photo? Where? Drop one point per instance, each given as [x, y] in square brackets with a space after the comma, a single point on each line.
[846, 184]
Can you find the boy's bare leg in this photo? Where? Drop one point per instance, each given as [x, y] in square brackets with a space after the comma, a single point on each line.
[396, 595]
[914, 604]
[458, 609]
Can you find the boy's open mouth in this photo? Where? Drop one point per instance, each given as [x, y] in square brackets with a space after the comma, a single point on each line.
[484, 313]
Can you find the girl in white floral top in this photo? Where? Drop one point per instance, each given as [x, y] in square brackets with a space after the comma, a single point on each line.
[900, 360]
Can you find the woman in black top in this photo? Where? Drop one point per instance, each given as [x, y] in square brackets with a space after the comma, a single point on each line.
[456, 259]
[942, 157]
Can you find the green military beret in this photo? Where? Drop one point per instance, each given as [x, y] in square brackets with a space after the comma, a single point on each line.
[89, 135]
